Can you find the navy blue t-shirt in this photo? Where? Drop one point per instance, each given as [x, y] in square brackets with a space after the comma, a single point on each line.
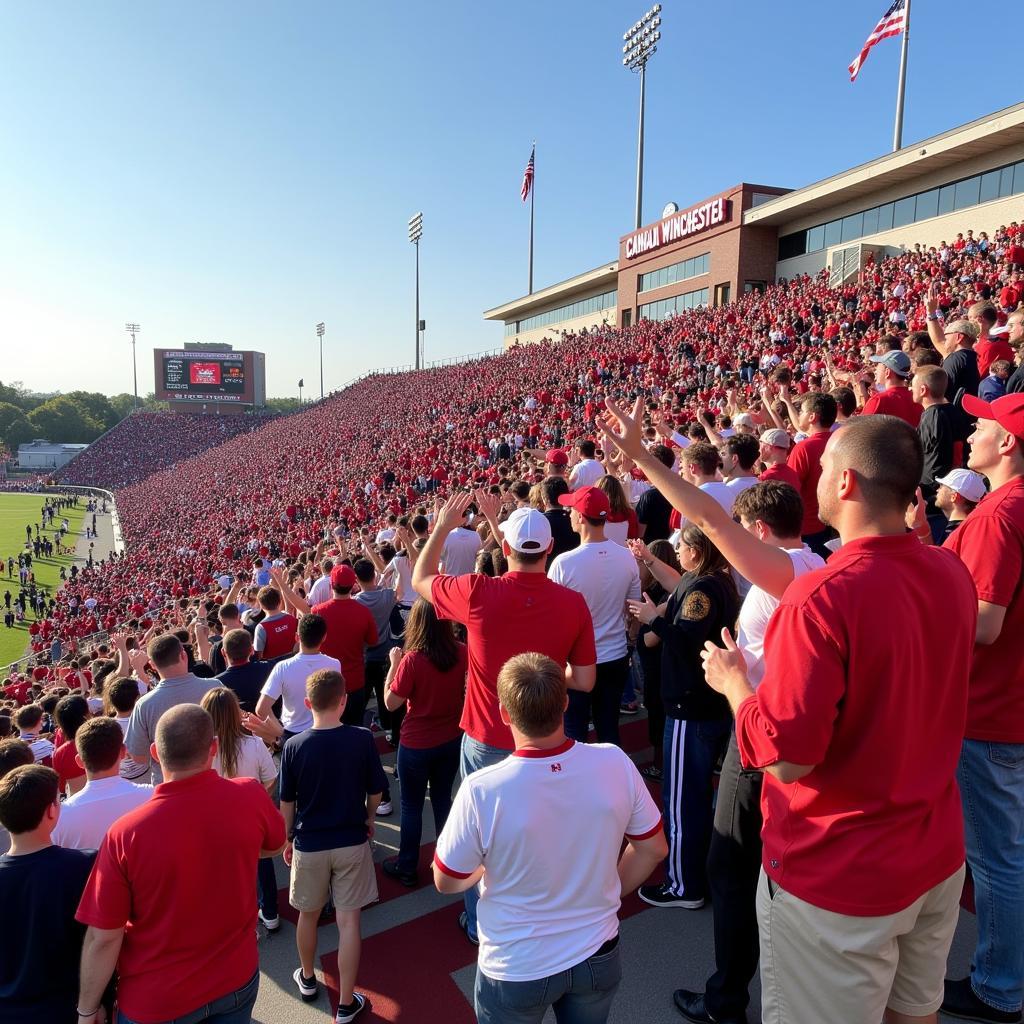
[40, 941]
[246, 681]
[328, 774]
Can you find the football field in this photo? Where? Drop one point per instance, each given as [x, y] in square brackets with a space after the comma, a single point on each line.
[16, 512]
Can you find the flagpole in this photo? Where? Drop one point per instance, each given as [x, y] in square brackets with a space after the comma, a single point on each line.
[897, 135]
[533, 192]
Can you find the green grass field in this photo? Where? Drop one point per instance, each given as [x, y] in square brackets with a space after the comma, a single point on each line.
[17, 511]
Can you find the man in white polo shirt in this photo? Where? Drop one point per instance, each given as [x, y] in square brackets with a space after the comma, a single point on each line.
[287, 680]
[588, 470]
[86, 816]
[548, 924]
[606, 574]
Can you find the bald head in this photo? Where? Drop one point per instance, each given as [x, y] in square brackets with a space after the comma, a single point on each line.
[885, 455]
[184, 736]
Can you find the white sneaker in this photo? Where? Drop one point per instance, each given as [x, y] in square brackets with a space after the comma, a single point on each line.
[306, 990]
[343, 1016]
[384, 808]
[270, 923]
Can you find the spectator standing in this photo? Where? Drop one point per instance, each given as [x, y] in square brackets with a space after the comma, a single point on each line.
[429, 678]
[775, 446]
[287, 679]
[892, 371]
[88, 814]
[958, 495]
[381, 603]
[563, 536]
[461, 546]
[549, 933]
[275, 633]
[40, 886]
[825, 724]
[13, 754]
[652, 510]
[605, 573]
[938, 429]
[505, 616]
[180, 872]
[243, 676]
[71, 713]
[29, 722]
[816, 412]
[588, 470]
[991, 771]
[331, 784]
[177, 686]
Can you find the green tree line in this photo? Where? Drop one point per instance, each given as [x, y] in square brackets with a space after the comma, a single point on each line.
[78, 417]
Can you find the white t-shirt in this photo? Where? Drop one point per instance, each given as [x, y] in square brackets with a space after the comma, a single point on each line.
[287, 680]
[86, 816]
[547, 827]
[759, 606]
[399, 569]
[320, 591]
[458, 556]
[253, 761]
[606, 574]
[586, 473]
[130, 768]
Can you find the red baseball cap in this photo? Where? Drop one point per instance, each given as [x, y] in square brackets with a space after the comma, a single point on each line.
[343, 576]
[1007, 411]
[557, 457]
[591, 502]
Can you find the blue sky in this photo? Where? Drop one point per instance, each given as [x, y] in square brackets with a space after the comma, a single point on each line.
[237, 172]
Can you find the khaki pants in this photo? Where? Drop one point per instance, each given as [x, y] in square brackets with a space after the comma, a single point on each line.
[819, 967]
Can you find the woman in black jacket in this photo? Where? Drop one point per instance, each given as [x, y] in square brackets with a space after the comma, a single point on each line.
[703, 602]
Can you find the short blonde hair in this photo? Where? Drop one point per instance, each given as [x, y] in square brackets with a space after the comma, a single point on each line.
[531, 688]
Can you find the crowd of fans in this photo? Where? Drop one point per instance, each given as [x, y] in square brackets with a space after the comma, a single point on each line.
[625, 512]
[144, 443]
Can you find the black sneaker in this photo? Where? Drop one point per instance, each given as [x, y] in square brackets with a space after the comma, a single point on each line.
[662, 896]
[350, 1012]
[691, 1005]
[306, 986]
[391, 869]
[464, 925]
[961, 1001]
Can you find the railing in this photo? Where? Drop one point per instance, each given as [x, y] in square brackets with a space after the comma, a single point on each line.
[843, 265]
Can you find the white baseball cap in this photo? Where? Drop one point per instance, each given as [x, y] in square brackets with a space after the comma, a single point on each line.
[527, 531]
[966, 483]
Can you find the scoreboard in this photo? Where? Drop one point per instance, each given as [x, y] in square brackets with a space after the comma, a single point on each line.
[205, 376]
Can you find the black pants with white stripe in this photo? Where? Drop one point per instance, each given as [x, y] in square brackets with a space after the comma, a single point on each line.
[692, 750]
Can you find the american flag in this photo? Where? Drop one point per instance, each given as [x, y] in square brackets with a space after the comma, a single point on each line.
[528, 175]
[892, 23]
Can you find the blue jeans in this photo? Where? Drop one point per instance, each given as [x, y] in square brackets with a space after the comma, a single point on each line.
[691, 751]
[991, 778]
[234, 1008]
[476, 755]
[435, 767]
[581, 995]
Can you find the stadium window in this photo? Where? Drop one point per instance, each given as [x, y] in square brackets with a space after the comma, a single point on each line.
[816, 238]
[1006, 182]
[903, 211]
[1018, 178]
[885, 217]
[722, 292]
[693, 267]
[753, 286]
[791, 245]
[967, 193]
[833, 233]
[871, 220]
[853, 227]
[946, 197]
[989, 186]
[927, 205]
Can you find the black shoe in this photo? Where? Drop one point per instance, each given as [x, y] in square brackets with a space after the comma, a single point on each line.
[691, 1006]
[464, 925]
[960, 1001]
[391, 869]
[662, 896]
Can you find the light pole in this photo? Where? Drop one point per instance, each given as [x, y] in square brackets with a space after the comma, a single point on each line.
[415, 233]
[301, 385]
[134, 329]
[639, 44]
[320, 334]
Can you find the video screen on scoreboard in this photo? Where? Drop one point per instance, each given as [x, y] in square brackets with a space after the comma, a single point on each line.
[215, 375]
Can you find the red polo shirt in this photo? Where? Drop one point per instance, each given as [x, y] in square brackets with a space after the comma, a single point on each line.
[868, 660]
[350, 630]
[510, 615]
[991, 543]
[805, 461]
[180, 873]
[783, 473]
[896, 401]
[989, 351]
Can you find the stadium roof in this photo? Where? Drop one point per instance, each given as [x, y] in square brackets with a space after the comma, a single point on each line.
[977, 138]
[607, 274]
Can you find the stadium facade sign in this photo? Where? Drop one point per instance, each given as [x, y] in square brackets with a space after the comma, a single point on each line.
[678, 226]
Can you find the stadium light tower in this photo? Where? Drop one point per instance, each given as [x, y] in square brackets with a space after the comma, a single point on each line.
[320, 334]
[415, 233]
[134, 329]
[640, 42]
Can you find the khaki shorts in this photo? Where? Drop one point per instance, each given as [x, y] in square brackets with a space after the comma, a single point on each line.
[819, 966]
[346, 873]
